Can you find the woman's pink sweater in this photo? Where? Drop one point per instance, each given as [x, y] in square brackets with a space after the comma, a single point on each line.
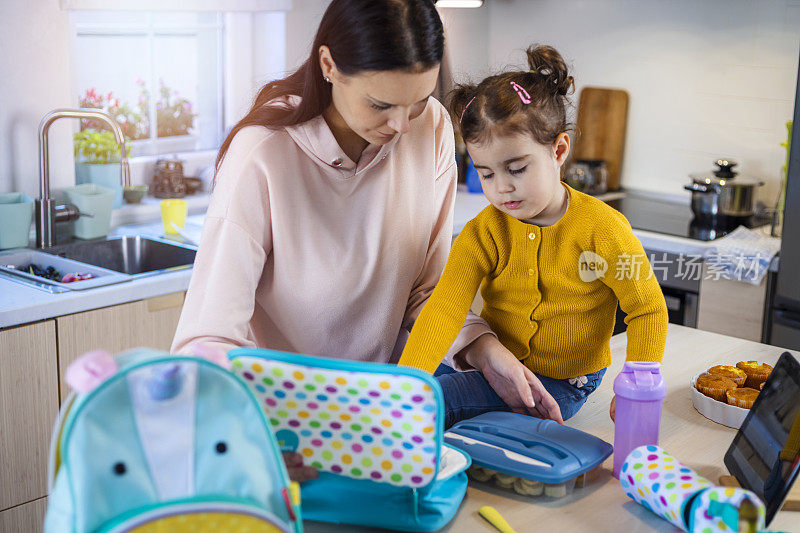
[306, 251]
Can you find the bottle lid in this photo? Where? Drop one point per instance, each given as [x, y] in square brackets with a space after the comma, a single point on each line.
[640, 380]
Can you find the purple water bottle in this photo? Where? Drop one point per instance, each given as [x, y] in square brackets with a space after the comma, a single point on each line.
[640, 388]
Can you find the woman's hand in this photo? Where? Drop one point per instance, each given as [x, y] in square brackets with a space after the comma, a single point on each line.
[613, 409]
[298, 471]
[516, 385]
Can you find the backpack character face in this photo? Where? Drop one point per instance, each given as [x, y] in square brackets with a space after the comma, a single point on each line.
[169, 445]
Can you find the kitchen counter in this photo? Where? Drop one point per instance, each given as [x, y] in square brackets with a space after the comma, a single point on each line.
[602, 505]
[20, 304]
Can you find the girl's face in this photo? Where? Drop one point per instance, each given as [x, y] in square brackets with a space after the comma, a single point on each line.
[521, 177]
[379, 105]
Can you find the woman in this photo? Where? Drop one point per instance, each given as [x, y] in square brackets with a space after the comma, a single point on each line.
[331, 218]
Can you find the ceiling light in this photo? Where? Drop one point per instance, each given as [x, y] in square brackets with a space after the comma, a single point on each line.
[459, 3]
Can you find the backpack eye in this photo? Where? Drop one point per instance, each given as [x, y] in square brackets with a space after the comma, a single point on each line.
[119, 468]
[221, 447]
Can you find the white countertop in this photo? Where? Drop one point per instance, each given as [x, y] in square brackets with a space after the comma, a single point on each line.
[20, 304]
[602, 505]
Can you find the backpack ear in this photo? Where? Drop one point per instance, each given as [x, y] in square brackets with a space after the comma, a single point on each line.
[90, 370]
[211, 353]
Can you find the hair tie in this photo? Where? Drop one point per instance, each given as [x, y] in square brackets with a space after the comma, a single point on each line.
[460, 120]
[523, 94]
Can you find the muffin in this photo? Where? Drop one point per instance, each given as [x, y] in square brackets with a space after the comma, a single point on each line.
[743, 397]
[757, 373]
[714, 386]
[731, 372]
[761, 385]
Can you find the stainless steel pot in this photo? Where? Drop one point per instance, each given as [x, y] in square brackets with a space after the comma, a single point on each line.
[723, 192]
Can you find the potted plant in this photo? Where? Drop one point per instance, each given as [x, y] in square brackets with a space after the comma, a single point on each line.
[174, 117]
[97, 160]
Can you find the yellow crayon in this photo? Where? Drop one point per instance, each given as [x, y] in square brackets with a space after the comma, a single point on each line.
[493, 517]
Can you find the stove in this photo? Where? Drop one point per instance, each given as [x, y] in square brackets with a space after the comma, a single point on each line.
[648, 213]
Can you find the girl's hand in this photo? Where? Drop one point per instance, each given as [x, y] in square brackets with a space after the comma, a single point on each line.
[297, 471]
[516, 385]
[613, 410]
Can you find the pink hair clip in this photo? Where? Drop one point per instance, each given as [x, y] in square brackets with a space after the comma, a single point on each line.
[523, 94]
[460, 120]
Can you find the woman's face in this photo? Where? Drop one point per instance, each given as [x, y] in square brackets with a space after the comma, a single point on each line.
[377, 105]
[521, 177]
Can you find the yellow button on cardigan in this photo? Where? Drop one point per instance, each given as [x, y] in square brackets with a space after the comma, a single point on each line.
[549, 293]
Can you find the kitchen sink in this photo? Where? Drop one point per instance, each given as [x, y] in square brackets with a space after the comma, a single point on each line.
[131, 254]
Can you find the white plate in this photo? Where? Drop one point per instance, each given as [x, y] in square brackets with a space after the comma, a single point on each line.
[721, 413]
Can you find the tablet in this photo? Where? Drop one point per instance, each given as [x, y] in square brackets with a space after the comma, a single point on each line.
[765, 454]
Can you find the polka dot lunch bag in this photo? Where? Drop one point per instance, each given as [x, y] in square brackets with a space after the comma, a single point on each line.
[151, 442]
[656, 480]
[373, 431]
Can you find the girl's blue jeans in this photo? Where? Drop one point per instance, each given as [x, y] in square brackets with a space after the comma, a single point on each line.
[468, 394]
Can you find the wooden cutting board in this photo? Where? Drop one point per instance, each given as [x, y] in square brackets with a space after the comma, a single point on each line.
[602, 119]
[792, 502]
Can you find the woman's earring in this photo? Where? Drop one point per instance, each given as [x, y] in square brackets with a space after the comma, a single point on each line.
[326, 78]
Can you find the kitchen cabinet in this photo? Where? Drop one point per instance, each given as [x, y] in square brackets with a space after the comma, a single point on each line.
[33, 359]
[732, 308]
[26, 518]
[28, 406]
[151, 323]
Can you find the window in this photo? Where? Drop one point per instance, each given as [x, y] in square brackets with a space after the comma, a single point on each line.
[160, 74]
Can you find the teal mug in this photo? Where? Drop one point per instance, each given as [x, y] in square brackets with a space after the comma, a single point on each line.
[16, 214]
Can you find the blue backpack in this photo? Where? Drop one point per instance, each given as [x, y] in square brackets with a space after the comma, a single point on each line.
[167, 443]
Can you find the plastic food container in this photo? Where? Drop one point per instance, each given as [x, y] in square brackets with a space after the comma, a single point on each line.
[14, 262]
[528, 455]
[524, 486]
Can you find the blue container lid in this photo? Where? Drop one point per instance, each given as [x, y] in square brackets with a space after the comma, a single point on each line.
[528, 447]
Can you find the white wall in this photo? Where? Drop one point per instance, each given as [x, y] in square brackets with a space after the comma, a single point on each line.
[255, 53]
[466, 29]
[34, 66]
[706, 79]
[467, 42]
[301, 26]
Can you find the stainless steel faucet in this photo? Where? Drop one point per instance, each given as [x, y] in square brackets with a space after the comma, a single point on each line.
[47, 213]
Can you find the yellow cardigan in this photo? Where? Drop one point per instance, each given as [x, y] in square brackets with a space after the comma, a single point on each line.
[546, 293]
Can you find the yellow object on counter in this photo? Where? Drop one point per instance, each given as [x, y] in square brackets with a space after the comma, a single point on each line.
[494, 517]
[173, 211]
[294, 490]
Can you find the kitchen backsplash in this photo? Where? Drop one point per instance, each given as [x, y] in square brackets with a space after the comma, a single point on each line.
[706, 79]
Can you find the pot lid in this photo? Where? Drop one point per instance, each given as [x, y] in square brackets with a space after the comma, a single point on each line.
[725, 176]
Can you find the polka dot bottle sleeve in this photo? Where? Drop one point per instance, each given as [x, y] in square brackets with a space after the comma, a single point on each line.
[665, 486]
[363, 425]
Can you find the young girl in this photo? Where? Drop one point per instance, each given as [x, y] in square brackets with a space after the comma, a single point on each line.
[551, 262]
